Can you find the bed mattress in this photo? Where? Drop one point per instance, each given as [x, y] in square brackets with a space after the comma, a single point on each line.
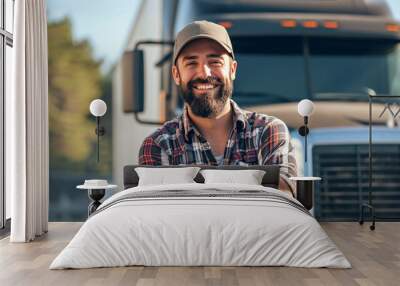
[201, 225]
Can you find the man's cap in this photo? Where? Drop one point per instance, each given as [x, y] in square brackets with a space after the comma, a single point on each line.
[201, 30]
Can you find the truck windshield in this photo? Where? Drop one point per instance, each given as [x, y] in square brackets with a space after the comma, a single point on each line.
[274, 70]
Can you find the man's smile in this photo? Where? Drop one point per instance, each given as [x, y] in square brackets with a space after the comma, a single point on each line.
[200, 87]
[204, 86]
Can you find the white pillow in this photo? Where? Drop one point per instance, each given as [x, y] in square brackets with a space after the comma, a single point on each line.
[162, 176]
[249, 177]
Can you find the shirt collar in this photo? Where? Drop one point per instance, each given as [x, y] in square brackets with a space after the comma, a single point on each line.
[188, 127]
[239, 116]
[187, 124]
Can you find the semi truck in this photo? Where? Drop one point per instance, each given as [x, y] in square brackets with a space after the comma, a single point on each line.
[331, 52]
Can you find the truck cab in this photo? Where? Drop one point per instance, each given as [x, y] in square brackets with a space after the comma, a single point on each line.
[330, 52]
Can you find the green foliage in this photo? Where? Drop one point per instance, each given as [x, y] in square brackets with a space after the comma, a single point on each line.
[74, 81]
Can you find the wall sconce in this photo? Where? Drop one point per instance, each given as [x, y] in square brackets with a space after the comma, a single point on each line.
[98, 108]
[305, 108]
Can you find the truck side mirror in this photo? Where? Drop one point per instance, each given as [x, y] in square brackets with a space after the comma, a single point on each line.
[133, 81]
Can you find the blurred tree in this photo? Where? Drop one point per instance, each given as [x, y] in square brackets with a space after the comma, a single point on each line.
[74, 81]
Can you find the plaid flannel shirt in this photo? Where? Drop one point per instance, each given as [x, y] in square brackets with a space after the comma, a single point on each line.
[256, 139]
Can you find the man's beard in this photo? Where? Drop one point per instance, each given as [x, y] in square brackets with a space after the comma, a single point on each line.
[210, 103]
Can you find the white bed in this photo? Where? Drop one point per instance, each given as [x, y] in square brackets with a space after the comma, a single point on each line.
[201, 224]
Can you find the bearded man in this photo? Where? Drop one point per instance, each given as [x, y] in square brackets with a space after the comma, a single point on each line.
[213, 130]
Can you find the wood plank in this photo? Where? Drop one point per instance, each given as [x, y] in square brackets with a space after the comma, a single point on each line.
[374, 255]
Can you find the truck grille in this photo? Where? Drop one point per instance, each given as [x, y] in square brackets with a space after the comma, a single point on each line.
[344, 185]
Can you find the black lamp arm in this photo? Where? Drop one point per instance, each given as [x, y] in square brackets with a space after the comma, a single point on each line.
[303, 131]
[100, 131]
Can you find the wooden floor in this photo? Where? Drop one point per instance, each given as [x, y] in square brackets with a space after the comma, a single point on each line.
[375, 256]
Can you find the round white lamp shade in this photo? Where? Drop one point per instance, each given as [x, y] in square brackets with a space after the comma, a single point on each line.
[98, 107]
[305, 107]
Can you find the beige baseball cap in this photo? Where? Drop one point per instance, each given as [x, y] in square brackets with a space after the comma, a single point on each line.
[201, 30]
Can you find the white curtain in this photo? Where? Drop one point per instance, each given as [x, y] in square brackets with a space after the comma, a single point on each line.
[27, 148]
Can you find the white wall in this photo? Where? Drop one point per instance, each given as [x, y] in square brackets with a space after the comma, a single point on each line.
[8, 142]
[127, 133]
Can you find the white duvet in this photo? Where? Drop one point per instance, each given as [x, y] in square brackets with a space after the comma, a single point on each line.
[207, 230]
